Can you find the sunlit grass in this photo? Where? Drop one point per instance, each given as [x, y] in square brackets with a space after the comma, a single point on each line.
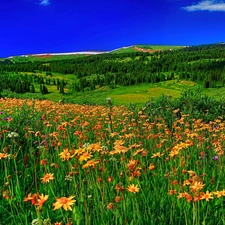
[138, 94]
[159, 47]
[82, 164]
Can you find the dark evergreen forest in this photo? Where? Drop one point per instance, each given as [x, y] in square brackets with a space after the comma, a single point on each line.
[203, 64]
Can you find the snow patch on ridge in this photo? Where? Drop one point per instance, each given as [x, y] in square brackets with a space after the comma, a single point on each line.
[74, 53]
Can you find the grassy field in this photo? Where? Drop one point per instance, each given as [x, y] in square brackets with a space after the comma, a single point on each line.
[138, 94]
[123, 50]
[45, 58]
[121, 95]
[153, 47]
[159, 47]
[65, 164]
[134, 155]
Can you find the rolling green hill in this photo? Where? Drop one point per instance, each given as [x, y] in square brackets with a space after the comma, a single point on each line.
[135, 74]
[64, 56]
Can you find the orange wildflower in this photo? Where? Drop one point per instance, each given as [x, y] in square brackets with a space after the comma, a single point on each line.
[131, 164]
[137, 173]
[94, 147]
[117, 199]
[133, 188]
[47, 177]
[188, 197]
[110, 206]
[28, 198]
[64, 202]
[191, 173]
[85, 156]
[119, 188]
[5, 194]
[207, 196]
[158, 154]
[99, 179]
[36, 199]
[110, 179]
[182, 195]
[186, 182]
[79, 151]
[172, 192]
[174, 153]
[43, 162]
[197, 198]
[151, 167]
[90, 163]
[218, 194]
[174, 182]
[65, 155]
[113, 134]
[4, 155]
[42, 199]
[137, 151]
[196, 186]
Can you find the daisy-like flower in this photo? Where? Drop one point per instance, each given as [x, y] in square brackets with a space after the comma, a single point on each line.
[90, 163]
[197, 186]
[110, 206]
[64, 202]
[158, 155]
[3, 155]
[47, 177]
[207, 196]
[65, 155]
[151, 167]
[43, 162]
[58, 223]
[131, 164]
[85, 156]
[117, 199]
[28, 198]
[218, 194]
[36, 199]
[133, 188]
[172, 192]
[42, 199]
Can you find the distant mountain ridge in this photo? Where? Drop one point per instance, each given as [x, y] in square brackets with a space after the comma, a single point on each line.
[73, 53]
[131, 47]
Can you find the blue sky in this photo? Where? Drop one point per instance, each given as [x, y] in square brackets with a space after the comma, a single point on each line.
[51, 26]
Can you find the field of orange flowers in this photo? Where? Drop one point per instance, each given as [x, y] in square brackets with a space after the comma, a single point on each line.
[79, 164]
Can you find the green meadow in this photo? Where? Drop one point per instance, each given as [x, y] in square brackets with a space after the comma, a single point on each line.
[137, 94]
[78, 164]
[124, 139]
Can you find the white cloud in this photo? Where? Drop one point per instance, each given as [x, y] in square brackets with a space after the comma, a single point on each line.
[44, 2]
[206, 5]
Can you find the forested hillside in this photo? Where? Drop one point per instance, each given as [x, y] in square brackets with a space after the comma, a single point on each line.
[203, 64]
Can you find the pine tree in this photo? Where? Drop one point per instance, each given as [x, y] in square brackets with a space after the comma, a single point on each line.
[32, 89]
[41, 89]
[61, 90]
[58, 84]
[45, 89]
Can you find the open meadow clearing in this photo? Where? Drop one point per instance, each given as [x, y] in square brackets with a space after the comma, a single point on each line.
[81, 164]
[112, 112]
